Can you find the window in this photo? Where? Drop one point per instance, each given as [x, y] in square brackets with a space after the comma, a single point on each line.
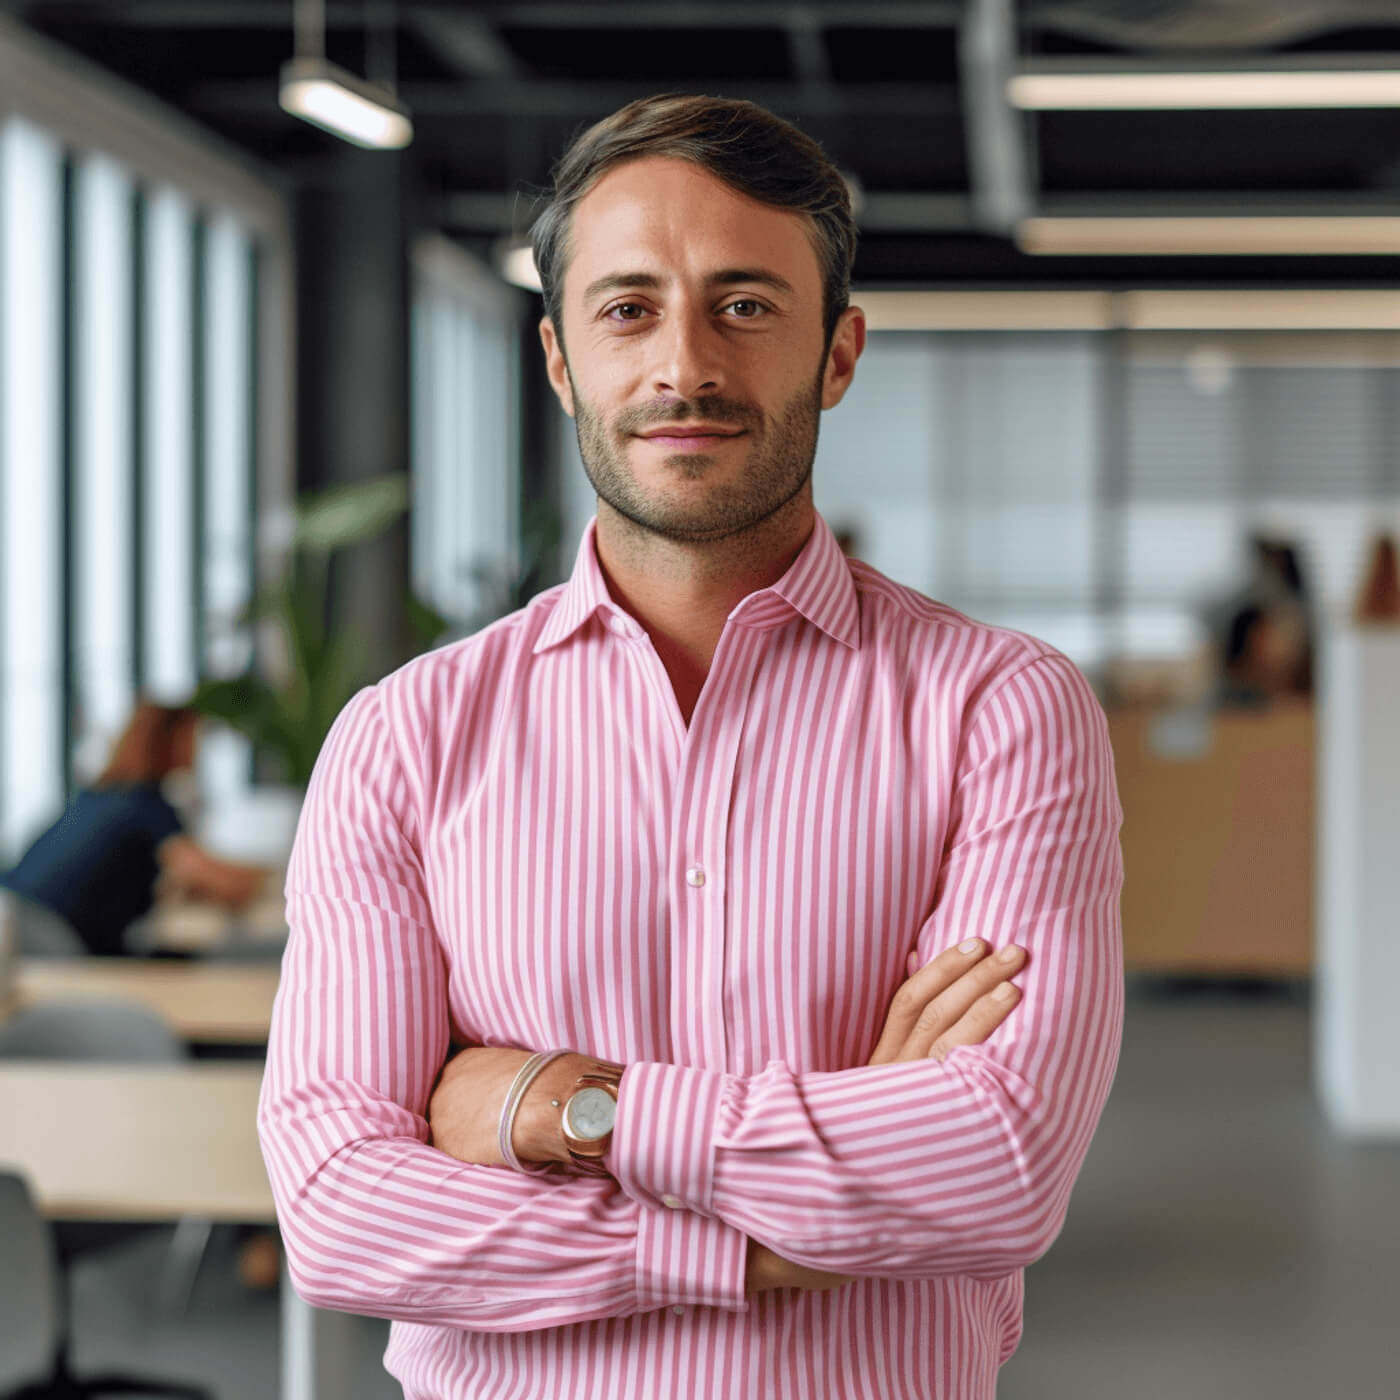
[31, 479]
[466, 443]
[143, 289]
[1097, 490]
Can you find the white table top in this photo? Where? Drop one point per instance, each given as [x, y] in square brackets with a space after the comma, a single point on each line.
[136, 1142]
[201, 926]
[210, 1002]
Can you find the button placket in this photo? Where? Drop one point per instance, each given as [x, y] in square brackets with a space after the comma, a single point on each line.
[700, 840]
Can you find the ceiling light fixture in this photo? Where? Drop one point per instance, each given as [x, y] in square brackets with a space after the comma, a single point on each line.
[1176, 309]
[364, 113]
[515, 259]
[1216, 235]
[1342, 83]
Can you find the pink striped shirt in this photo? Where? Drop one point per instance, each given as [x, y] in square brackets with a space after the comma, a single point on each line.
[516, 840]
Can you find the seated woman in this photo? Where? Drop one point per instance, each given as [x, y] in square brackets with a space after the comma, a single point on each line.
[99, 864]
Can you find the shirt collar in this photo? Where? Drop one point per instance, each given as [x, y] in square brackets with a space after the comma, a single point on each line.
[817, 586]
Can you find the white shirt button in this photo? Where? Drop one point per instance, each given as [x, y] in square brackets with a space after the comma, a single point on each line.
[678, 1310]
[672, 1202]
[695, 876]
[620, 625]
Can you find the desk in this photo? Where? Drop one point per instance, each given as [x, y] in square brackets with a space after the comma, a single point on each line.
[213, 1003]
[148, 1142]
[199, 926]
[136, 1142]
[1218, 844]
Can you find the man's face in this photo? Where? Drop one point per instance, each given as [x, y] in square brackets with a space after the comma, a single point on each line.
[692, 317]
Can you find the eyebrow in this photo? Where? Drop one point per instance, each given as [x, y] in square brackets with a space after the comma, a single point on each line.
[649, 281]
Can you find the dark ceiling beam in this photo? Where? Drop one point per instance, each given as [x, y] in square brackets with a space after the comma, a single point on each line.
[179, 15]
[1196, 25]
[883, 211]
[176, 15]
[915, 211]
[486, 211]
[534, 97]
[464, 41]
[726, 14]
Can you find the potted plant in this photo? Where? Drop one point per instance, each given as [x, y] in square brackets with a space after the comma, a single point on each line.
[286, 712]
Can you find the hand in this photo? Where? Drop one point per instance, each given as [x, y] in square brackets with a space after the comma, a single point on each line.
[767, 1271]
[959, 998]
[464, 1113]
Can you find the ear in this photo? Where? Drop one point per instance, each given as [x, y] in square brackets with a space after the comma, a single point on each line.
[846, 344]
[556, 366]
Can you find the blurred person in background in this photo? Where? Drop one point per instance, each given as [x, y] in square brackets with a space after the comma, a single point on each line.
[1264, 631]
[120, 841]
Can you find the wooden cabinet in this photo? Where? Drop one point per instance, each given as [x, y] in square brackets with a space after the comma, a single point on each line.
[1218, 840]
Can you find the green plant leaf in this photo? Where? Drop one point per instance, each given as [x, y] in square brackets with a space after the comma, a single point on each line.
[288, 720]
[344, 515]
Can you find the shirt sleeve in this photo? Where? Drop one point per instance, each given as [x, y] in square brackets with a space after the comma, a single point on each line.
[922, 1169]
[374, 1220]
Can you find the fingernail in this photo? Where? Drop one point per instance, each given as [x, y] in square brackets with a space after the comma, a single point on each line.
[912, 963]
[1005, 992]
[969, 945]
[1009, 954]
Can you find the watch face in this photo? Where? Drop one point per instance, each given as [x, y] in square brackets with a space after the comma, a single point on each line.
[589, 1114]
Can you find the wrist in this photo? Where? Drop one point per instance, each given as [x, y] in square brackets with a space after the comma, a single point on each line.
[537, 1137]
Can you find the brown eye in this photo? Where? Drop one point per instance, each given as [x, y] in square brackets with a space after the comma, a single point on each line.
[627, 311]
[746, 310]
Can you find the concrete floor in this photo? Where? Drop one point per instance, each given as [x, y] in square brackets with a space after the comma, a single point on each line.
[1222, 1243]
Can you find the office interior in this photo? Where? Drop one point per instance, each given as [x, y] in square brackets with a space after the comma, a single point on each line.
[1133, 282]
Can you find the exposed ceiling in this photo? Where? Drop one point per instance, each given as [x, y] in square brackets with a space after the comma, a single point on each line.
[906, 95]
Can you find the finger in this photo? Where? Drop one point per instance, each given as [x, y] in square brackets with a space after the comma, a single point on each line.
[954, 1002]
[981, 1019]
[917, 991]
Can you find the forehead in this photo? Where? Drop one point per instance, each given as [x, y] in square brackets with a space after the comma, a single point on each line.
[671, 219]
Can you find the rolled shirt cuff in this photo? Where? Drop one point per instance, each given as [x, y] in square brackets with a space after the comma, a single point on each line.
[663, 1147]
[691, 1260]
[662, 1156]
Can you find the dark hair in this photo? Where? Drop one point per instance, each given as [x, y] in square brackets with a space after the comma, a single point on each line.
[741, 143]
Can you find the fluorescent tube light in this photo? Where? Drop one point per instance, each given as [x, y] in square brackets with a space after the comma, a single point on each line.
[1183, 308]
[1233, 235]
[1260, 89]
[362, 113]
[1291, 309]
[981, 310]
[517, 265]
[1178, 309]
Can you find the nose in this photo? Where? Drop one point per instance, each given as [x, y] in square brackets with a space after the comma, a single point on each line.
[689, 355]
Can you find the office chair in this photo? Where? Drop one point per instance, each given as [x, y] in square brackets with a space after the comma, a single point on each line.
[109, 1031]
[30, 1297]
[38, 932]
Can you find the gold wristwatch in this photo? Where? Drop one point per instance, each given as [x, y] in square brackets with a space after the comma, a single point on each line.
[586, 1121]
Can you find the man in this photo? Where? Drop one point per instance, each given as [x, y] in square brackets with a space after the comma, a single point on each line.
[690, 819]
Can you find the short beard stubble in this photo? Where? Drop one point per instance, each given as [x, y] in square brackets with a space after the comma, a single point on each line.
[778, 466]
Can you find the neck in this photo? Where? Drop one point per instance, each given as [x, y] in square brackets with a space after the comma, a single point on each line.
[682, 591]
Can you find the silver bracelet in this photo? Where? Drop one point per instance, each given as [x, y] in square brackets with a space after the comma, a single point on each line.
[526, 1076]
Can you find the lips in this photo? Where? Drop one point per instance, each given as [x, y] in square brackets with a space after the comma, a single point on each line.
[692, 430]
[681, 437]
